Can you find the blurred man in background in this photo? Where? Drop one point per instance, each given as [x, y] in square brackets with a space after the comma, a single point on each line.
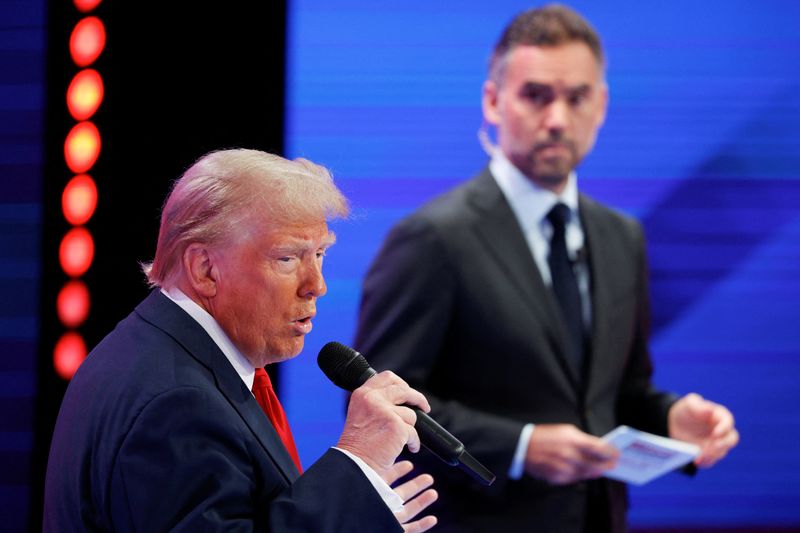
[519, 306]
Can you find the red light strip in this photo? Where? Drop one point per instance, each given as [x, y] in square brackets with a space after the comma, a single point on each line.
[79, 199]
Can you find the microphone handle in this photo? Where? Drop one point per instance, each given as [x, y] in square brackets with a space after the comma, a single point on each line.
[432, 436]
[449, 449]
[436, 439]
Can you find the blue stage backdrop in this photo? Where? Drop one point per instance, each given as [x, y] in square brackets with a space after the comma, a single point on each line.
[22, 55]
[702, 144]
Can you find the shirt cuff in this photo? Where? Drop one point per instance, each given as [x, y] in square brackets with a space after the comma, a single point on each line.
[389, 497]
[518, 462]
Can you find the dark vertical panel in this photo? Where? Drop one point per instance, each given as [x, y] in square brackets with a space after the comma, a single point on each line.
[22, 33]
[181, 78]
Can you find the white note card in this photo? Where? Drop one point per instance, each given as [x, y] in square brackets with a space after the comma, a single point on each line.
[644, 456]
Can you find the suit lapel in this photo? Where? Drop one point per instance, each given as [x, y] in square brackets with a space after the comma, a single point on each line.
[231, 385]
[602, 266]
[499, 230]
[164, 314]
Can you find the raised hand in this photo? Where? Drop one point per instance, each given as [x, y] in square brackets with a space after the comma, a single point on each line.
[417, 496]
[378, 426]
[705, 423]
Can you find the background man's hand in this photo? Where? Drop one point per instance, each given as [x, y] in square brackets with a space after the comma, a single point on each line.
[563, 454]
[705, 423]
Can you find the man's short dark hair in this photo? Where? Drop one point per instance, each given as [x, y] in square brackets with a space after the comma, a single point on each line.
[550, 25]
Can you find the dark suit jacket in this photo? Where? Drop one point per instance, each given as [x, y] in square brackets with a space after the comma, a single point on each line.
[158, 432]
[455, 304]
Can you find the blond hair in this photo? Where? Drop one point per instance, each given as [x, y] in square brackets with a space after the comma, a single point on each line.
[217, 197]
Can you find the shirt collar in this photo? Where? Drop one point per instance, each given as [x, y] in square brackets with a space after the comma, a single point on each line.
[530, 202]
[240, 363]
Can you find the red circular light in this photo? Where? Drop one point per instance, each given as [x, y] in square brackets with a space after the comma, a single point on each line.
[82, 147]
[72, 303]
[85, 93]
[87, 41]
[84, 6]
[76, 252]
[69, 353]
[79, 199]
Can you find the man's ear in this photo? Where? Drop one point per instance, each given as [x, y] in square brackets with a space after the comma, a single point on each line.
[201, 272]
[489, 102]
[603, 106]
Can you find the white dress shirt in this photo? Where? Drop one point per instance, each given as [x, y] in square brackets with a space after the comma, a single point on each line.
[247, 372]
[531, 204]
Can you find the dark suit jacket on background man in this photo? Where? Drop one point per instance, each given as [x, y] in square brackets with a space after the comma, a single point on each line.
[452, 306]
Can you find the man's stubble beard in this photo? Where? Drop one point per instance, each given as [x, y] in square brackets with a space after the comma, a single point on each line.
[552, 172]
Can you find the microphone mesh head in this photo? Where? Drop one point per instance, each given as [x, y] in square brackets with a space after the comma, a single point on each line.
[343, 365]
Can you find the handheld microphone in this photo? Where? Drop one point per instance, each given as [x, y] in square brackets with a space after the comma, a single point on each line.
[348, 369]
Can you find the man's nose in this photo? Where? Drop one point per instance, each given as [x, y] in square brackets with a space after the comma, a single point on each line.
[556, 115]
[313, 282]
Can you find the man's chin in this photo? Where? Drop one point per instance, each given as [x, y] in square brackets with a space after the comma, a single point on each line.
[282, 353]
[551, 178]
[551, 172]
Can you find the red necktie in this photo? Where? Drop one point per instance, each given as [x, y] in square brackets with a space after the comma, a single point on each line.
[266, 398]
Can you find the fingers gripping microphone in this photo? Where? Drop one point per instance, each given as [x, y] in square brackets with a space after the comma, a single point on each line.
[349, 370]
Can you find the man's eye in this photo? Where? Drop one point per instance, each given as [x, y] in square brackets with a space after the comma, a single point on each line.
[577, 98]
[538, 96]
